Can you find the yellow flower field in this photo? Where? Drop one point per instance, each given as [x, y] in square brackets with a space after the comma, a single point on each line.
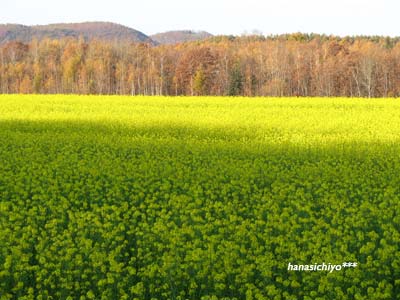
[109, 197]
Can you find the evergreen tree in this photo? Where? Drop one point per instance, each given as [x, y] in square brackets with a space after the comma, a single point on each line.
[235, 81]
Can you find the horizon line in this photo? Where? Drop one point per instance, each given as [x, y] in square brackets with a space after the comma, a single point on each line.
[253, 32]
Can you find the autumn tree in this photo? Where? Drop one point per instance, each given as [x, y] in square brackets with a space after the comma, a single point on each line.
[287, 65]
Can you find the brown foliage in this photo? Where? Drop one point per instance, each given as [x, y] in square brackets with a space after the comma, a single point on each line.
[286, 66]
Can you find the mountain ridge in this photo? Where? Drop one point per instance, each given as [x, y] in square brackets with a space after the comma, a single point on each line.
[88, 30]
[180, 36]
[108, 31]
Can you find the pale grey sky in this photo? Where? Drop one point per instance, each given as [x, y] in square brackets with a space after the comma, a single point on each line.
[339, 17]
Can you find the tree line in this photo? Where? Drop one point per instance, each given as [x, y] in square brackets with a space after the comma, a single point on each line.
[287, 65]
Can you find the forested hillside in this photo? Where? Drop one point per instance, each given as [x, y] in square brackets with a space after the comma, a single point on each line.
[180, 36]
[289, 65]
[87, 30]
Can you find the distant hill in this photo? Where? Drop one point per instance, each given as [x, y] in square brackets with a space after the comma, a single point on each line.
[89, 30]
[180, 36]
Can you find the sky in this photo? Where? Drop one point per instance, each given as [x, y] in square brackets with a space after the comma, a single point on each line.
[237, 17]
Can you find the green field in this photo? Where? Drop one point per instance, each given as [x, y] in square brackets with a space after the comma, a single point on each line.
[198, 198]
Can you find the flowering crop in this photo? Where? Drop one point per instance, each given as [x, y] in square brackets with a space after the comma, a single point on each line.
[198, 198]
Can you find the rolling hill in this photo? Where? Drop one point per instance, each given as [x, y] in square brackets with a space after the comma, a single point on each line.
[180, 36]
[89, 30]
